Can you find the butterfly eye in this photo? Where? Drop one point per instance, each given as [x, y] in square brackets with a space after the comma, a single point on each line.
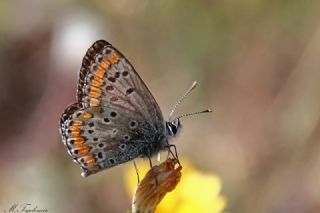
[174, 129]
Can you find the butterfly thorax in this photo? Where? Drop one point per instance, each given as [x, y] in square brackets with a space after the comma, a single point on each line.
[160, 142]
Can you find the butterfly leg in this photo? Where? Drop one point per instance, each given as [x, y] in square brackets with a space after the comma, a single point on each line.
[175, 154]
[159, 158]
[150, 162]
[137, 171]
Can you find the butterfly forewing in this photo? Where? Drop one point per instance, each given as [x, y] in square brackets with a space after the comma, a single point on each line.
[116, 118]
[108, 78]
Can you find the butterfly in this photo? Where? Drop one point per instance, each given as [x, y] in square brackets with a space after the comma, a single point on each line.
[115, 119]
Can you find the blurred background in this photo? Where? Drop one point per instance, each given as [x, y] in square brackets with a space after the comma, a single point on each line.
[257, 65]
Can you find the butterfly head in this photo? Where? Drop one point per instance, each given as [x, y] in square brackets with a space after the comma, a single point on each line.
[173, 127]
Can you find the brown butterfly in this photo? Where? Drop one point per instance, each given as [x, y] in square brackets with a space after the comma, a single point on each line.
[115, 119]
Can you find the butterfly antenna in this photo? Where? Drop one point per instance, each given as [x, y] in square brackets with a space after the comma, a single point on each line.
[194, 113]
[194, 84]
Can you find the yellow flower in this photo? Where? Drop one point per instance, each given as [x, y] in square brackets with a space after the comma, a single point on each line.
[196, 192]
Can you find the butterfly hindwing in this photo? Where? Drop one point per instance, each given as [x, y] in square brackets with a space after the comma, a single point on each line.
[102, 139]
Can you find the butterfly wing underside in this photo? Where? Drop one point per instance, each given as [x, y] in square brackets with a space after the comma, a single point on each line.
[116, 118]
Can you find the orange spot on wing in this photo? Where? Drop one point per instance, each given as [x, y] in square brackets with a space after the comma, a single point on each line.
[89, 160]
[74, 128]
[77, 122]
[95, 89]
[96, 81]
[100, 72]
[105, 63]
[94, 102]
[86, 115]
[78, 141]
[114, 58]
[75, 132]
[83, 150]
[94, 92]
